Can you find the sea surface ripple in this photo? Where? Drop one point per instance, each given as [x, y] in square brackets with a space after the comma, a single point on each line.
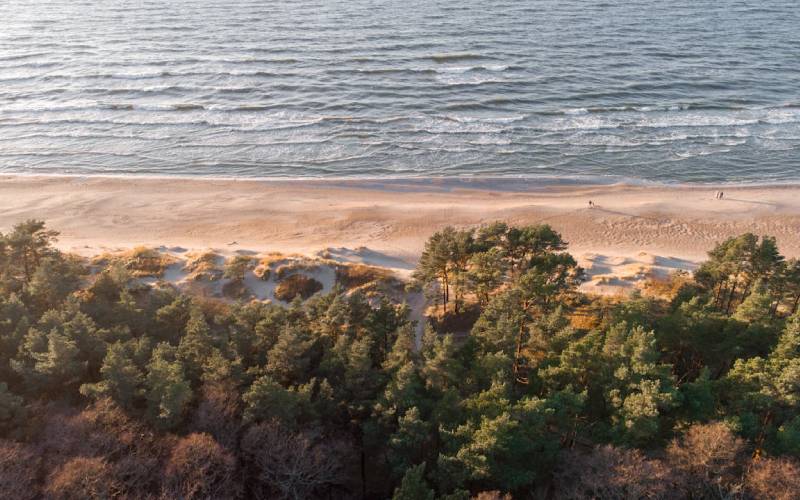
[649, 90]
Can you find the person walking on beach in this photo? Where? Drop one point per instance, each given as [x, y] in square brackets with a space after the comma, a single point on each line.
[591, 204]
[721, 194]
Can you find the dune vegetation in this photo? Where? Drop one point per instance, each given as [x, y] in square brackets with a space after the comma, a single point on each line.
[517, 385]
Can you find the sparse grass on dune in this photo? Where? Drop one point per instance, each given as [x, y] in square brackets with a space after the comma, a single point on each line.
[273, 258]
[285, 270]
[236, 289]
[204, 266]
[262, 272]
[141, 262]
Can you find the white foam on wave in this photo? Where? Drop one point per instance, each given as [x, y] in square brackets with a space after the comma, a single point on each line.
[465, 69]
[580, 119]
[576, 111]
[485, 119]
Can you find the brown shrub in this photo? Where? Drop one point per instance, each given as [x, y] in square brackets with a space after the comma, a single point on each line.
[82, 477]
[138, 474]
[199, 467]
[297, 285]
[609, 472]
[103, 431]
[18, 470]
[355, 275]
[707, 458]
[219, 413]
[292, 465]
[492, 495]
[668, 287]
[774, 478]
[293, 266]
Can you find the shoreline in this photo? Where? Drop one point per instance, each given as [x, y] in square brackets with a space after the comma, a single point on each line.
[632, 230]
[494, 182]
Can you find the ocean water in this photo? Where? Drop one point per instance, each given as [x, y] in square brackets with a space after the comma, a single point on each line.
[642, 90]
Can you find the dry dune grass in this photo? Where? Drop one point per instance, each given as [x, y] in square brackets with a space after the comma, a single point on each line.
[203, 266]
[356, 275]
[285, 270]
[262, 272]
[667, 288]
[273, 258]
[141, 262]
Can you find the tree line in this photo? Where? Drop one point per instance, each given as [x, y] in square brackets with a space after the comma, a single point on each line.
[110, 387]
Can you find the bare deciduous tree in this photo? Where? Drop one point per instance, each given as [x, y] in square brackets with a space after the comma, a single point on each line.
[611, 473]
[219, 413]
[82, 477]
[292, 465]
[199, 468]
[18, 470]
[707, 457]
[774, 478]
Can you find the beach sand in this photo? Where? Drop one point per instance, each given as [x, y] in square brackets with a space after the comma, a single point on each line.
[632, 232]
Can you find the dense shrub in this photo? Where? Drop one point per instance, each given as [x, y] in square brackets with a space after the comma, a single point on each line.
[19, 470]
[297, 285]
[199, 468]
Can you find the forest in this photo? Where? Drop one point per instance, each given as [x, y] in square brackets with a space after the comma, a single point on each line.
[520, 386]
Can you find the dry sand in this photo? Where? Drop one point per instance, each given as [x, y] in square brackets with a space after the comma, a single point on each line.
[632, 231]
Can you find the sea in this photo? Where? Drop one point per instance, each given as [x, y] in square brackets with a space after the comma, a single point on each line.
[650, 91]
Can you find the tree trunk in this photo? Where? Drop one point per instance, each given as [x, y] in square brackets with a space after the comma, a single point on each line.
[719, 302]
[518, 350]
[26, 266]
[446, 293]
[730, 298]
[746, 291]
[796, 302]
[718, 295]
[363, 473]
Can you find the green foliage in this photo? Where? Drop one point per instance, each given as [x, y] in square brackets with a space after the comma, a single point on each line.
[340, 388]
[267, 400]
[508, 451]
[121, 379]
[414, 486]
[168, 392]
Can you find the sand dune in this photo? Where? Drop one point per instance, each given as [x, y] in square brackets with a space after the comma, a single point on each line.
[632, 230]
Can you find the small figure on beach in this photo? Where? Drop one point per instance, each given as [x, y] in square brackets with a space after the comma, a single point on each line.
[719, 195]
[591, 204]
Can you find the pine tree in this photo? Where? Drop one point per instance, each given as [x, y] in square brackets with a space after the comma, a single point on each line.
[168, 392]
[414, 486]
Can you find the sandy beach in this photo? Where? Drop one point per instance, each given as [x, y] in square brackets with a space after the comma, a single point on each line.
[631, 230]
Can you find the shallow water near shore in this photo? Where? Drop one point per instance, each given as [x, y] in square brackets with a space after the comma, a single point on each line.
[641, 91]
